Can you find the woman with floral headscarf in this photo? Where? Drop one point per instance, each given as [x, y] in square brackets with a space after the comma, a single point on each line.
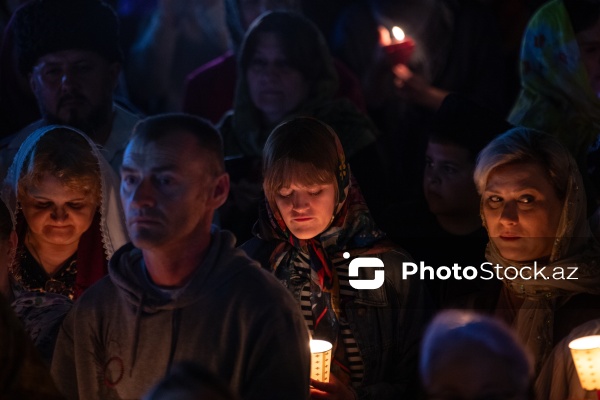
[533, 207]
[313, 223]
[64, 198]
[560, 75]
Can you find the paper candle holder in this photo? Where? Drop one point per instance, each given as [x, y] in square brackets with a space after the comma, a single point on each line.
[586, 357]
[320, 360]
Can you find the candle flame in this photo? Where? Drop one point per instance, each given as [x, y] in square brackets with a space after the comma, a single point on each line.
[398, 33]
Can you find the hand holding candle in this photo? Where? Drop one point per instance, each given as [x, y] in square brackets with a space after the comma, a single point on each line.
[397, 46]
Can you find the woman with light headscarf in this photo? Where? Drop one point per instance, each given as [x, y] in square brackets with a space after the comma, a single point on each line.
[533, 207]
[63, 196]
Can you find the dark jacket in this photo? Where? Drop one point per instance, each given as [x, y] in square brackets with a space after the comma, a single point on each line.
[387, 324]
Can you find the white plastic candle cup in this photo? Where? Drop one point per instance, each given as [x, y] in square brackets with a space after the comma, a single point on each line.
[320, 360]
[586, 357]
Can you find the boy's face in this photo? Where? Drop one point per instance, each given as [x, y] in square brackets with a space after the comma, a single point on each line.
[448, 180]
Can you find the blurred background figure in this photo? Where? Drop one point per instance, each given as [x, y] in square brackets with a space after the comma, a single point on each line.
[458, 48]
[69, 51]
[18, 107]
[190, 381]
[78, 41]
[180, 36]
[470, 356]
[560, 81]
[286, 70]
[443, 225]
[210, 89]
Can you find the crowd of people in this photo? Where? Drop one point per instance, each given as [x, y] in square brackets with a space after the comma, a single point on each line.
[192, 189]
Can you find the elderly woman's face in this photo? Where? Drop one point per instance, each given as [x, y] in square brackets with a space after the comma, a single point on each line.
[522, 211]
[306, 210]
[276, 88]
[55, 213]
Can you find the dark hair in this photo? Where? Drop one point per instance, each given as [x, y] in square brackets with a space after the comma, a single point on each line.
[582, 13]
[47, 26]
[463, 122]
[302, 149]
[6, 222]
[152, 129]
[301, 40]
[235, 26]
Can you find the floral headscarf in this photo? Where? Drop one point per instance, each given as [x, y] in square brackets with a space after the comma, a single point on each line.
[556, 95]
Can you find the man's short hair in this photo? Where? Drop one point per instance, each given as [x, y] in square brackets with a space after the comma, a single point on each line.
[47, 26]
[463, 122]
[154, 128]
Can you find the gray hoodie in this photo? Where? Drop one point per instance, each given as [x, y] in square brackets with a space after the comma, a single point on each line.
[123, 335]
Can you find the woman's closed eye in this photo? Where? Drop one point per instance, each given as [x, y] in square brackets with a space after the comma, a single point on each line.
[76, 205]
[42, 204]
[285, 193]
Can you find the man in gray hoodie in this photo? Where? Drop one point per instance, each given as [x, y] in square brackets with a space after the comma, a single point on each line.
[180, 291]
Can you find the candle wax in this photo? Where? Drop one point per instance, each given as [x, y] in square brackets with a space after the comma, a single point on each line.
[400, 52]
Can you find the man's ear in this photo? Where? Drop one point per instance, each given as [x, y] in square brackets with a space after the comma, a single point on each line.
[221, 190]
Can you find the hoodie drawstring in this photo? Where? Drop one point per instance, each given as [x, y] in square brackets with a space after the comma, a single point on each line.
[175, 323]
[136, 333]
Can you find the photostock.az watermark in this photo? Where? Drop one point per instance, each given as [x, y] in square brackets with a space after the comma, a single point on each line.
[488, 271]
[365, 262]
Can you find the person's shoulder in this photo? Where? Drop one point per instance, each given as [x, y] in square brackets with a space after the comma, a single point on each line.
[259, 250]
[18, 138]
[124, 119]
[100, 295]
[244, 275]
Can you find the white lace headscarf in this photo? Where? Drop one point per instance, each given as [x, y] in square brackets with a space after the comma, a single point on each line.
[112, 219]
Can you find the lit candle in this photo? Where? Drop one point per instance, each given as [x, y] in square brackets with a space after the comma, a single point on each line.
[586, 357]
[397, 46]
[320, 360]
